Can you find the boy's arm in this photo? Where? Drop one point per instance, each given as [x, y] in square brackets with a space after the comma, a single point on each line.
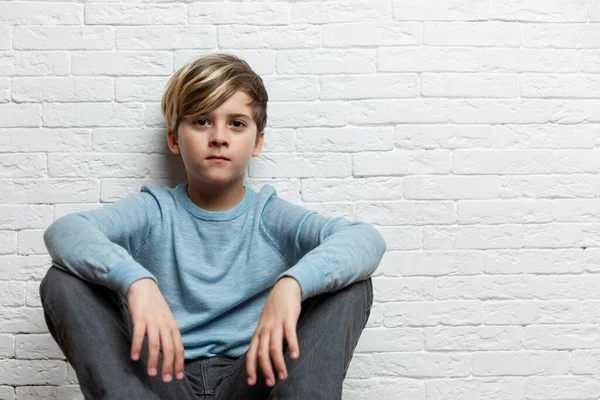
[326, 254]
[97, 246]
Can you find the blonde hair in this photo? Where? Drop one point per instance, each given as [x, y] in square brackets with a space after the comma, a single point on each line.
[202, 85]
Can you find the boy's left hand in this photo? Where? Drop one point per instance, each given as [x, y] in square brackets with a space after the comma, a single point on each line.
[277, 321]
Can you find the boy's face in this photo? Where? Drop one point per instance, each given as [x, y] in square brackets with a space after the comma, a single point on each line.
[228, 131]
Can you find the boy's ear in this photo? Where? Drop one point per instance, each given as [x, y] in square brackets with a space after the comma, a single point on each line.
[259, 144]
[172, 142]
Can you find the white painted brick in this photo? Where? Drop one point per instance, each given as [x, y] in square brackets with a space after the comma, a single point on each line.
[540, 11]
[92, 114]
[292, 88]
[502, 162]
[589, 60]
[545, 136]
[469, 85]
[590, 312]
[12, 294]
[563, 36]
[496, 34]
[17, 217]
[44, 140]
[4, 89]
[486, 287]
[581, 287]
[529, 60]
[133, 63]
[560, 235]
[518, 363]
[91, 165]
[267, 13]
[412, 365]
[425, 58]
[114, 189]
[547, 186]
[165, 37]
[585, 362]
[473, 237]
[426, 187]
[562, 387]
[370, 86]
[534, 261]
[153, 116]
[135, 14]
[592, 259]
[347, 139]
[345, 210]
[577, 161]
[32, 372]
[559, 85]
[19, 268]
[326, 61]
[472, 338]
[279, 140]
[31, 242]
[401, 237]
[519, 312]
[567, 111]
[8, 242]
[351, 189]
[261, 61]
[595, 11]
[577, 210]
[63, 89]
[431, 314]
[7, 348]
[20, 115]
[372, 34]
[48, 191]
[269, 37]
[561, 337]
[25, 63]
[37, 347]
[390, 340]
[5, 37]
[341, 11]
[358, 389]
[431, 263]
[441, 10]
[23, 165]
[71, 392]
[20, 320]
[307, 114]
[404, 289]
[444, 136]
[407, 212]
[317, 165]
[130, 140]
[476, 388]
[489, 212]
[40, 13]
[400, 162]
[63, 38]
[32, 294]
[500, 111]
[140, 88]
[375, 317]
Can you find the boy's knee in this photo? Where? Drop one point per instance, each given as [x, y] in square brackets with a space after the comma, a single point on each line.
[58, 284]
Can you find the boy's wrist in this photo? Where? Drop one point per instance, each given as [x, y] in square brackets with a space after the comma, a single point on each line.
[291, 283]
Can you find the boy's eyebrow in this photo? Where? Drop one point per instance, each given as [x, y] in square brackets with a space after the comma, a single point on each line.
[233, 115]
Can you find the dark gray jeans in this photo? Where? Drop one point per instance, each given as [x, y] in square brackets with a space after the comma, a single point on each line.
[93, 329]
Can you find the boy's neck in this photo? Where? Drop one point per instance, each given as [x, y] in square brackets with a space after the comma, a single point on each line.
[216, 197]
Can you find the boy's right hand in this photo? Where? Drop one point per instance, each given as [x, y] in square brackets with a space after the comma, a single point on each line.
[151, 316]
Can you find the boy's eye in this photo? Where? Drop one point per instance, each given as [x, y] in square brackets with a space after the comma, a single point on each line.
[238, 124]
[200, 121]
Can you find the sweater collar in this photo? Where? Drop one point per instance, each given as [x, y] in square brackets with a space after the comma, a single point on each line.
[226, 215]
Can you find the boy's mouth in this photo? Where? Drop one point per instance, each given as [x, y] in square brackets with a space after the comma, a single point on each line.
[217, 158]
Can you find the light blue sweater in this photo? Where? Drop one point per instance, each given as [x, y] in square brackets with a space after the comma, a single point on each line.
[215, 269]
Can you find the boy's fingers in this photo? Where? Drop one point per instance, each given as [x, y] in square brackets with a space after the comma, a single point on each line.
[251, 361]
[166, 342]
[277, 353]
[292, 339]
[179, 354]
[139, 329]
[153, 348]
[264, 360]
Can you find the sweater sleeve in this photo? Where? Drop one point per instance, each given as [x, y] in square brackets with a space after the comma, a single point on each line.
[326, 254]
[98, 246]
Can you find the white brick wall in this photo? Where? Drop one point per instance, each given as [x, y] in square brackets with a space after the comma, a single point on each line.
[467, 131]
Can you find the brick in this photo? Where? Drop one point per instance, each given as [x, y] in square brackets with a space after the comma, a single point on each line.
[6, 37]
[489, 212]
[562, 36]
[346, 139]
[322, 190]
[585, 362]
[135, 14]
[326, 61]
[377, 388]
[529, 312]
[24, 268]
[370, 86]
[290, 88]
[561, 235]
[486, 287]
[165, 37]
[140, 88]
[390, 340]
[401, 237]
[404, 289]
[269, 37]
[427, 58]
[469, 85]
[122, 63]
[7, 348]
[91, 165]
[540, 11]
[473, 237]
[24, 63]
[559, 85]
[5, 89]
[48, 191]
[55, 89]
[8, 242]
[217, 13]
[31, 242]
[372, 34]
[407, 212]
[530, 60]
[307, 114]
[279, 140]
[44, 140]
[431, 314]
[441, 10]
[502, 162]
[327, 12]
[400, 162]
[576, 210]
[129, 140]
[23, 165]
[26, 13]
[518, 363]
[21, 320]
[413, 365]
[589, 60]
[444, 136]
[318, 165]
[40, 346]
[544, 136]
[562, 387]
[561, 337]
[534, 261]
[20, 115]
[451, 187]
[576, 161]
[479, 388]
[500, 111]
[431, 263]
[32, 372]
[472, 338]
[16, 217]
[92, 114]
[548, 186]
[64, 392]
[479, 34]
[63, 38]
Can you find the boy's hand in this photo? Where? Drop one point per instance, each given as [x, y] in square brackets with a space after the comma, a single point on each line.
[152, 316]
[277, 321]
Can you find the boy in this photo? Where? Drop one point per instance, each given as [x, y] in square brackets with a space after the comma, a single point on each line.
[233, 293]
